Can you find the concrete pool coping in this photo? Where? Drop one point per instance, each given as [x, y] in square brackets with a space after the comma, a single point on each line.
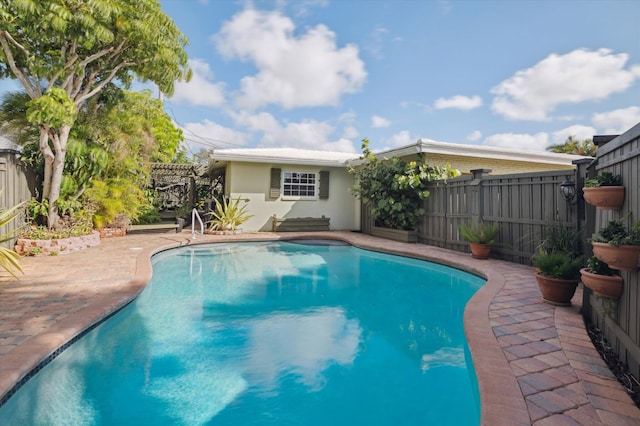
[535, 362]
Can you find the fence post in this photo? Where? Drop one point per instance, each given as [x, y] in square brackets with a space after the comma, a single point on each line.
[477, 199]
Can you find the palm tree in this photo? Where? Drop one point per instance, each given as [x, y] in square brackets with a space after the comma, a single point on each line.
[574, 146]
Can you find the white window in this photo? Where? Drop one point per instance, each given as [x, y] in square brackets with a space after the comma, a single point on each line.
[299, 184]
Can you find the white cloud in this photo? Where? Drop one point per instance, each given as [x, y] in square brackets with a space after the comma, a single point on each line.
[525, 142]
[376, 39]
[294, 71]
[464, 103]
[578, 131]
[207, 134]
[578, 76]
[401, 139]
[474, 136]
[200, 90]
[378, 122]
[350, 132]
[306, 134]
[618, 121]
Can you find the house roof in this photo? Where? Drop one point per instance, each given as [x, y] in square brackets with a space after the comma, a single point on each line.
[7, 145]
[426, 146]
[284, 156]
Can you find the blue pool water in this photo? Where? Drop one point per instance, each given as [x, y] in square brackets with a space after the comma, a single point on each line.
[269, 333]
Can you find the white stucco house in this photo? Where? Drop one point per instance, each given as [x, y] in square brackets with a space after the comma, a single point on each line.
[288, 183]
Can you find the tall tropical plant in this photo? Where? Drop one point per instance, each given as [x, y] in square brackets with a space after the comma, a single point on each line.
[64, 53]
[394, 189]
[229, 214]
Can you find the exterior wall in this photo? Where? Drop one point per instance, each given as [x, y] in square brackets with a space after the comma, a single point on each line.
[498, 167]
[251, 181]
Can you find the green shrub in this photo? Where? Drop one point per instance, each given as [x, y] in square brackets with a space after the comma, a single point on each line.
[394, 189]
[558, 264]
[604, 179]
[616, 234]
[479, 232]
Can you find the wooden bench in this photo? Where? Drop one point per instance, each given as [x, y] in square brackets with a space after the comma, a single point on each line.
[153, 227]
[293, 224]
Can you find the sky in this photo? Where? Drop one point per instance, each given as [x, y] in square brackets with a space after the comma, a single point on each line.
[324, 74]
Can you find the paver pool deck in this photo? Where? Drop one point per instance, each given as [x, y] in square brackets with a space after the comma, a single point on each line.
[535, 362]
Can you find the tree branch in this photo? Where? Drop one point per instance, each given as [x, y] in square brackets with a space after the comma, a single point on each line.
[33, 90]
[86, 94]
[67, 66]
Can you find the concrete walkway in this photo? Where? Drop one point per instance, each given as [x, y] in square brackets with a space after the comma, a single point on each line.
[535, 362]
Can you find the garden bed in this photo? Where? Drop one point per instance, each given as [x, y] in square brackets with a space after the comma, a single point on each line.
[56, 246]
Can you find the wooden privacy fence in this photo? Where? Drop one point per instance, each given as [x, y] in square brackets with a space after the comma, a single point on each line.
[523, 205]
[619, 319]
[14, 183]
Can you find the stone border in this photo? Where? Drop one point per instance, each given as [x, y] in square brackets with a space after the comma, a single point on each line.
[56, 246]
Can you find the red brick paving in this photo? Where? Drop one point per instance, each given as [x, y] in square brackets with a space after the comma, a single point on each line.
[534, 362]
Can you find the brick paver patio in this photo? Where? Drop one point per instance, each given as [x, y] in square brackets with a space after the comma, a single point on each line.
[535, 362]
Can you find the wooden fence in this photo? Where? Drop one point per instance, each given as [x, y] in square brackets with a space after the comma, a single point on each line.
[14, 183]
[619, 320]
[523, 205]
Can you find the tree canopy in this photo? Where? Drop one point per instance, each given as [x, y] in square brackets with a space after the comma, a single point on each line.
[116, 137]
[64, 52]
[574, 146]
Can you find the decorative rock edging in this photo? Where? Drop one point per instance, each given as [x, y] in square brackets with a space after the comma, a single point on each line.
[53, 247]
[225, 232]
[113, 232]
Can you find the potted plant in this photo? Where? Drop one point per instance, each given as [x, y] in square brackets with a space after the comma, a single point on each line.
[605, 191]
[558, 263]
[557, 274]
[601, 279]
[617, 246]
[481, 236]
[227, 216]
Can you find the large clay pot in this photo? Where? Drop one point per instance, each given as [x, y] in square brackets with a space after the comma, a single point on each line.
[556, 291]
[604, 197]
[602, 285]
[624, 257]
[480, 251]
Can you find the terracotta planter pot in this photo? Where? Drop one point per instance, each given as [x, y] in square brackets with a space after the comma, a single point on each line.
[624, 257]
[603, 285]
[480, 251]
[556, 291]
[604, 197]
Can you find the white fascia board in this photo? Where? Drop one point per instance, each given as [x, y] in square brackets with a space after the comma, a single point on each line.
[428, 146]
[306, 158]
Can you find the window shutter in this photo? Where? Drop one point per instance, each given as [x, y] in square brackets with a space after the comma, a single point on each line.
[275, 183]
[324, 185]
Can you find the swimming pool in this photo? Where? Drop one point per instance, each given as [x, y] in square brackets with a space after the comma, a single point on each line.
[270, 333]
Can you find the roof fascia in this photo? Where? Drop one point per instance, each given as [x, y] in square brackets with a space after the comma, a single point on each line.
[277, 160]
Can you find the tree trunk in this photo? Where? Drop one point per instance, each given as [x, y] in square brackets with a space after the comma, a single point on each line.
[49, 157]
[55, 182]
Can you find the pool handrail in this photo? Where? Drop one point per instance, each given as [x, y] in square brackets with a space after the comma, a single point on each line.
[195, 215]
